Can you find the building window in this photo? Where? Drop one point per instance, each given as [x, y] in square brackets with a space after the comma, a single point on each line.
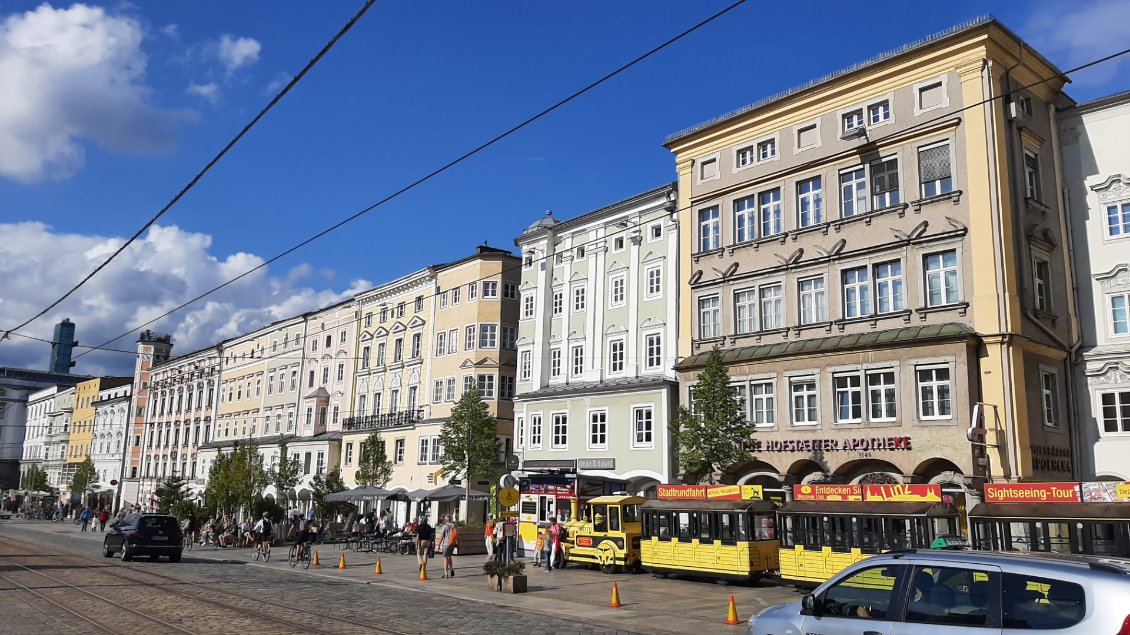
[509, 337]
[422, 458]
[490, 289]
[560, 438]
[455, 295]
[643, 428]
[807, 137]
[365, 357]
[525, 365]
[398, 452]
[419, 304]
[469, 340]
[535, 432]
[654, 282]
[509, 291]
[849, 399]
[1115, 412]
[381, 354]
[488, 336]
[393, 401]
[580, 252]
[745, 310]
[744, 156]
[857, 292]
[653, 344]
[384, 314]
[709, 318]
[709, 234]
[558, 302]
[766, 149]
[616, 356]
[934, 393]
[397, 352]
[655, 232]
[616, 295]
[888, 287]
[578, 299]
[341, 368]
[1032, 175]
[941, 279]
[1118, 220]
[519, 432]
[810, 202]
[527, 306]
[468, 383]
[486, 386]
[349, 454]
[884, 183]
[555, 363]
[934, 171]
[1119, 319]
[745, 219]
[437, 450]
[368, 323]
[400, 310]
[813, 306]
[762, 403]
[931, 95]
[437, 391]
[577, 354]
[852, 120]
[878, 113]
[598, 429]
[443, 300]
[505, 386]
[853, 192]
[769, 206]
[1049, 394]
[441, 343]
[618, 243]
[1041, 274]
[449, 389]
[881, 396]
[772, 306]
[803, 395]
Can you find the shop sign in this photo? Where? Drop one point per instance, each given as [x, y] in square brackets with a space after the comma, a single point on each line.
[911, 492]
[710, 492]
[1106, 492]
[549, 464]
[825, 492]
[850, 444]
[596, 464]
[1032, 493]
[1049, 458]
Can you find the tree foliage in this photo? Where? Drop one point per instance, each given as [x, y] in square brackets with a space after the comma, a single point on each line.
[716, 435]
[34, 480]
[83, 478]
[373, 466]
[286, 474]
[236, 479]
[471, 446]
[323, 485]
[170, 494]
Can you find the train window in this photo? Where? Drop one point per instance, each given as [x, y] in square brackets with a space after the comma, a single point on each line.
[728, 528]
[706, 528]
[945, 526]
[1104, 539]
[613, 518]
[788, 533]
[766, 528]
[899, 533]
[923, 535]
[631, 513]
[743, 527]
[1059, 537]
[599, 517]
[663, 525]
[813, 528]
[839, 533]
[683, 528]
[871, 539]
[1020, 535]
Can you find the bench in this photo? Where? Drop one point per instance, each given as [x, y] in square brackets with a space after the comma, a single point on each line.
[5, 517]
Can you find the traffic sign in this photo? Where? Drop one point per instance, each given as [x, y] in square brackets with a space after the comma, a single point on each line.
[507, 496]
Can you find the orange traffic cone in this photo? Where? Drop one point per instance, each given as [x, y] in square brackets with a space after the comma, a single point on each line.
[377, 569]
[732, 616]
[341, 561]
[424, 571]
[314, 562]
[615, 603]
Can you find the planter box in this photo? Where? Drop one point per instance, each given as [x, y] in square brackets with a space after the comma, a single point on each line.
[471, 542]
[513, 584]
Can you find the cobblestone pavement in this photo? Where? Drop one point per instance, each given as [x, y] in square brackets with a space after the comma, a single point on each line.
[569, 601]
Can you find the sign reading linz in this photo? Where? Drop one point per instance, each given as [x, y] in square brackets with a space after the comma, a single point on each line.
[851, 444]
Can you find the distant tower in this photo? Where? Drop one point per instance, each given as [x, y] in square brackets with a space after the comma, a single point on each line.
[62, 346]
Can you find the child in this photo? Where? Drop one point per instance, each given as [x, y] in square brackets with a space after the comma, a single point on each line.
[539, 546]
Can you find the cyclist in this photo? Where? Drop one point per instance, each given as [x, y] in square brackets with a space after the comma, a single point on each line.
[263, 531]
[306, 533]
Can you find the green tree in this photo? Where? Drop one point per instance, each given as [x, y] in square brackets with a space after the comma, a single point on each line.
[236, 479]
[323, 485]
[471, 446]
[170, 493]
[286, 474]
[715, 436]
[83, 478]
[35, 480]
[373, 466]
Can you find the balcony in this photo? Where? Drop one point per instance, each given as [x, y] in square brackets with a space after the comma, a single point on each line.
[388, 420]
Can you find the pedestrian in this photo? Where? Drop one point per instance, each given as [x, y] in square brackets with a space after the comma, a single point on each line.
[85, 517]
[103, 516]
[539, 545]
[553, 540]
[424, 536]
[310, 513]
[447, 541]
[488, 536]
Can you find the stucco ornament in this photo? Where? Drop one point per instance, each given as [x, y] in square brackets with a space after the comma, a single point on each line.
[1115, 186]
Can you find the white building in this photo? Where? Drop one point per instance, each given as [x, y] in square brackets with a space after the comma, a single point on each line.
[56, 436]
[108, 442]
[1096, 183]
[39, 404]
[16, 386]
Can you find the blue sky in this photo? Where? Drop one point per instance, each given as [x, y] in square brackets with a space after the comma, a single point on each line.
[411, 87]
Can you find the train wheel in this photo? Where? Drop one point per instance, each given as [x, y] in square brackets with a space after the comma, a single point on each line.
[607, 557]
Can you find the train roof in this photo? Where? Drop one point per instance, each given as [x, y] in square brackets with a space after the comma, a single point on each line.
[863, 508]
[617, 500]
[714, 505]
[1052, 511]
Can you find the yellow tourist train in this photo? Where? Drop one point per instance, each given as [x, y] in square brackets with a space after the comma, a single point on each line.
[606, 533]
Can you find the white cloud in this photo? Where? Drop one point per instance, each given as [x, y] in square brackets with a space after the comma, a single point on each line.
[209, 91]
[67, 75]
[280, 80]
[234, 53]
[161, 270]
[1074, 33]
[170, 30]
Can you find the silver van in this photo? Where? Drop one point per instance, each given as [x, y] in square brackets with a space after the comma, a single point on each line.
[949, 592]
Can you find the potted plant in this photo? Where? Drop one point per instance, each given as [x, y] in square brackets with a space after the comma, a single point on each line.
[506, 576]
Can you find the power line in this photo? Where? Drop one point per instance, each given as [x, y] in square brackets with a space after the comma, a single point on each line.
[199, 175]
[438, 170]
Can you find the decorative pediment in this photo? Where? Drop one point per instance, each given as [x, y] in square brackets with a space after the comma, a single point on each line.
[1117, 278]
[1042, 237]
[575, 335]
[555, 338]
[399, 327]
[395, 383]
[577, 277]
[617, 266]
[485, 362]
[326, 357]
[695, 277]
[363, 386]
[527, 286]
[615, 329]
[379, 384]
[835, 249]
[523, 341]
[1115, 186]
[380, 332]
[652, 322]
[366, 337]
[1109, 373]
[416, 322]
[414, 377]
[653, 256]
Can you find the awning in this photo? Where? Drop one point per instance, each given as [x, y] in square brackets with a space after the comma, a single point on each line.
[1051, 512]
[451, 493]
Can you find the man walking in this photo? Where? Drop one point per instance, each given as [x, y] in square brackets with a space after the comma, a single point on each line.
[447, 542]
[424, 536]
[488, 536]
[85, 517]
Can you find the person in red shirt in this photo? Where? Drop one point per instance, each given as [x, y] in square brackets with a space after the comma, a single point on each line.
[103, 516]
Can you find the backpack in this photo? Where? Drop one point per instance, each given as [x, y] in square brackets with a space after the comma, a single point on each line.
[267, 528]
[453, 536]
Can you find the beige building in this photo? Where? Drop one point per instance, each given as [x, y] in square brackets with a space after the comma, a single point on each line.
[880, 255]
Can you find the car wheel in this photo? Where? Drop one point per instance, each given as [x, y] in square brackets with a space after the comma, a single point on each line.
[107, 552]
[126, 555]
[174, 557]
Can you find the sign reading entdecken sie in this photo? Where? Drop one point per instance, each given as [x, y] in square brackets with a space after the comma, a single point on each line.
[1032, 493]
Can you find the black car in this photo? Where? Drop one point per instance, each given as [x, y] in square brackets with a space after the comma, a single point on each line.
[152, 535]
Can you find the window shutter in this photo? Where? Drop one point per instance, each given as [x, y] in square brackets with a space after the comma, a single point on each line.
[934, 163]
[884, 176]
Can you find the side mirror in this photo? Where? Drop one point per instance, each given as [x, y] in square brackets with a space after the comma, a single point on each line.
[809, 605]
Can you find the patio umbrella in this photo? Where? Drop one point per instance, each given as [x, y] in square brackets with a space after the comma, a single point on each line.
[451, 493]
[418, 495]
[365, 494]
[340, 497]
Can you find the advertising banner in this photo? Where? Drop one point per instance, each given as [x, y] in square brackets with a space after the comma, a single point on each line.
[1106, 492]
[914, 493]
[826, 492]
[710, 492]
[1032, 493]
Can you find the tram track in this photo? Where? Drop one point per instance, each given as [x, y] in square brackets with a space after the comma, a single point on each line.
[243, 608]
